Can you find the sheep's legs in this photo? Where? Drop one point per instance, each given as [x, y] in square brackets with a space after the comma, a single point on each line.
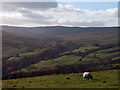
[84, 78]
[87, 78]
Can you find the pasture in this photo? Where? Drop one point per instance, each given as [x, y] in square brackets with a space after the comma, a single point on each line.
[101, 79]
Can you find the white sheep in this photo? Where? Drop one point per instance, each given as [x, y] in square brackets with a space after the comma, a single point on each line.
[87, 75]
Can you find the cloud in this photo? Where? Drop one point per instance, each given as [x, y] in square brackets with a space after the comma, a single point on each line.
[82, 22]
[31, 15]
[109, 13]
[12, 6]
[58, 14]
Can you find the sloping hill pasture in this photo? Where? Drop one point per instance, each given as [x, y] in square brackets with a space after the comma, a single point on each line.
[13, 44]
[95, 56]
[19, 40]
[98, 54]
[52, 48]
[101, 79]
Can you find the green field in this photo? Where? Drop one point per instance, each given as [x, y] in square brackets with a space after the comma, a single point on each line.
[101, 79]
[63, 51]
[64, 60]
[100, 55]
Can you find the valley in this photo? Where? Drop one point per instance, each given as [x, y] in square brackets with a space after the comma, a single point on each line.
[38, 51]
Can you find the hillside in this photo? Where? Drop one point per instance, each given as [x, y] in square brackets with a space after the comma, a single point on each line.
[61, 48]
[28, 39]
[14, 44]
[42, 32]
[101, 79]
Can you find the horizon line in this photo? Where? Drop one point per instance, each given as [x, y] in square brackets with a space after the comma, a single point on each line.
[56, 26]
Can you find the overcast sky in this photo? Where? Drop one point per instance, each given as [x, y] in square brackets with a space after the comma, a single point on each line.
[60, 14]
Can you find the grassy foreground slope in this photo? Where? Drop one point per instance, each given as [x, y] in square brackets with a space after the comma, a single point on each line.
[102, 79]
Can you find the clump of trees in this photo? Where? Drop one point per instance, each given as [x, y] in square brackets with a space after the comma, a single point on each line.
[80, 68]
